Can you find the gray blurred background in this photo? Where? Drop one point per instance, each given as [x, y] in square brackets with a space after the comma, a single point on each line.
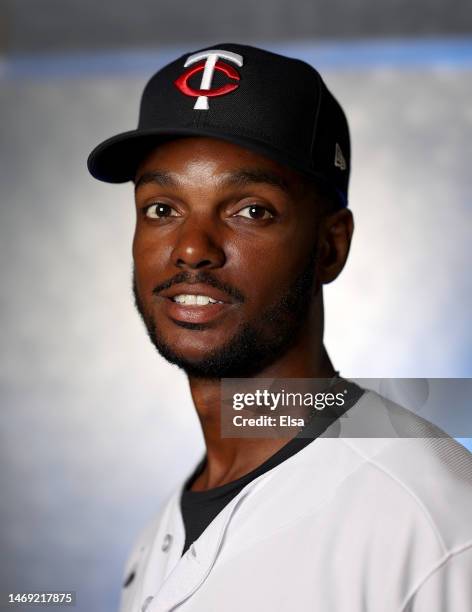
[96, 429]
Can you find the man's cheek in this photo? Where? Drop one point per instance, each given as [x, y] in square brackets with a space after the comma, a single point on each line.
[143, 288]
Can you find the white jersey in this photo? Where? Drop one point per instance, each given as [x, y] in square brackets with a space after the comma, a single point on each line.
[346, 524]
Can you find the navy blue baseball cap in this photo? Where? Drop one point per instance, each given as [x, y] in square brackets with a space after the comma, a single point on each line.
[273, 105]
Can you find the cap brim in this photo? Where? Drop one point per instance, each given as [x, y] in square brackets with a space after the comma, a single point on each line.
[116, 160]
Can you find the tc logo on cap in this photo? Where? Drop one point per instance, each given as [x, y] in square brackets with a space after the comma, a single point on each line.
[207, 62]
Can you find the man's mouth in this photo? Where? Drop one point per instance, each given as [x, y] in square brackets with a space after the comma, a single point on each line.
[194, 300]
[195, 303]
[195, 295]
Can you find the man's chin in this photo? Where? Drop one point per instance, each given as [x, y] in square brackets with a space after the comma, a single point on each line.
[197, 365]
[190, 349]
[241, 356]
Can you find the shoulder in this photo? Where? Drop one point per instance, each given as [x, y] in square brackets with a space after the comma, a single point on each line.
[399, 506]
[421, 485]
[419, 467]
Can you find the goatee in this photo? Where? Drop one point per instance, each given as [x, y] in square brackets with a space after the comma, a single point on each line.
[257, 344]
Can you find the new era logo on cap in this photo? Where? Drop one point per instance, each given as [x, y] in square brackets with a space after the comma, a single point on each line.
[207, 62]
[274, 105]
[339, 159]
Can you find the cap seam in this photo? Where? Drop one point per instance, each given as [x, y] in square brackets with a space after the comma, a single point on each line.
[315, 121]
[197, 116]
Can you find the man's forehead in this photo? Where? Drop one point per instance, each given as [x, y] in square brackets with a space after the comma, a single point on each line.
[224, 162]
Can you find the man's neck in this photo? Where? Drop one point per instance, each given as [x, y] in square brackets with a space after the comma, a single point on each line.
[228, 459]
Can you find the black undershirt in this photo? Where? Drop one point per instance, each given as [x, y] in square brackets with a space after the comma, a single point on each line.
[199, 508]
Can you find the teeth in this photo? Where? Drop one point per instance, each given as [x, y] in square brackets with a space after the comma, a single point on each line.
[198, 300]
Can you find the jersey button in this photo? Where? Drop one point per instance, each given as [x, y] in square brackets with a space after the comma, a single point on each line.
[146, 603]
[166, 544]
[193, 551]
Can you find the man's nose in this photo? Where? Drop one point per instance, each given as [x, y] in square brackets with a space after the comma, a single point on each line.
[197, 247]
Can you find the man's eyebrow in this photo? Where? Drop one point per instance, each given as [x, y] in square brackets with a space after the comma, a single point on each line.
[237, 178]
[160, 177]
[247, 176]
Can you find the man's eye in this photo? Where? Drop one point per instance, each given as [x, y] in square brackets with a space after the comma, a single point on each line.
[159, 210]
[254, 211]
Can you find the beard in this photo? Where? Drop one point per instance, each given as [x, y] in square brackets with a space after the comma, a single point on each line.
[256, 344]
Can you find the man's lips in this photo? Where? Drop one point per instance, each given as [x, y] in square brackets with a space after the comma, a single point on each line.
[191, 303]
[196, 290]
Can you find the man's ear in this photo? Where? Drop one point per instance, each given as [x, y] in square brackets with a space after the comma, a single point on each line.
[334, 244]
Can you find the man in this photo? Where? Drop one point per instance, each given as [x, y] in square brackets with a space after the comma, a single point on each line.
[241, 166]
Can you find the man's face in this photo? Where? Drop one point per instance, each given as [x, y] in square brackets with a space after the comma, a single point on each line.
[224, 256]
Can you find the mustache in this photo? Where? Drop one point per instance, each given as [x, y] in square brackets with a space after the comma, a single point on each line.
[203, 277]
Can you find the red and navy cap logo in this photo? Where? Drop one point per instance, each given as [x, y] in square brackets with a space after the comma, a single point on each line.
[207, 62]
